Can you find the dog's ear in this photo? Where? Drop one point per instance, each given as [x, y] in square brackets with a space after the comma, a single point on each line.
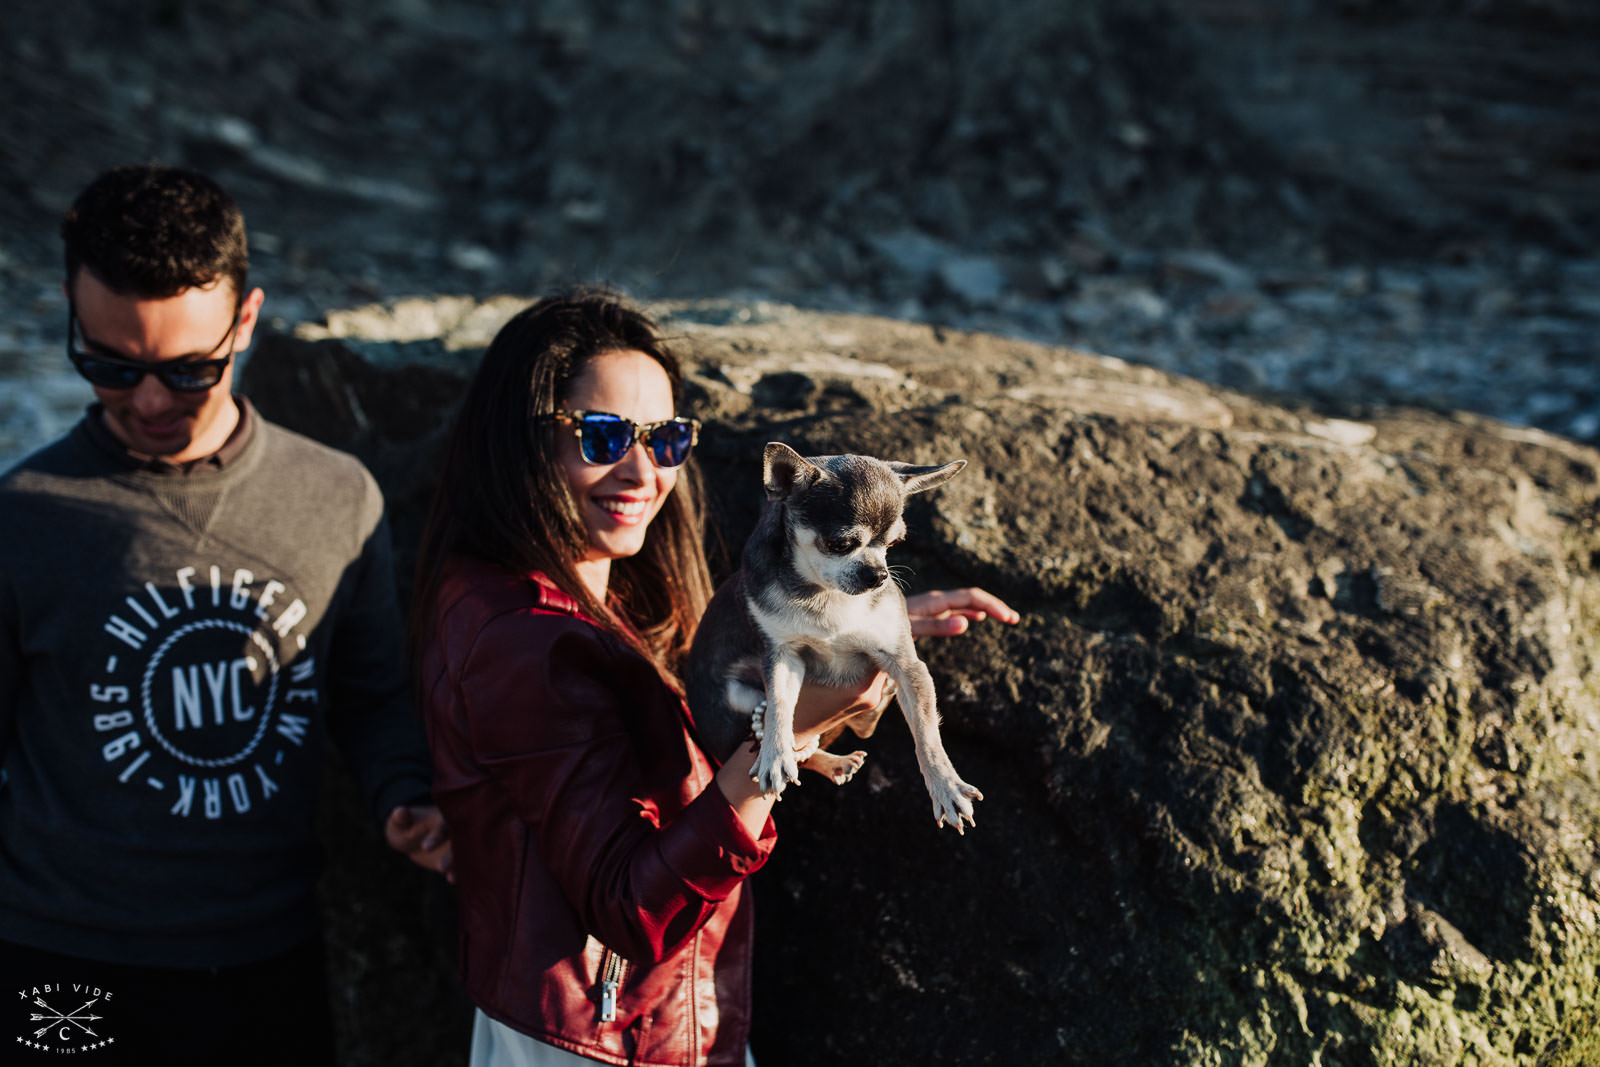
[917, 479]
[785, 472]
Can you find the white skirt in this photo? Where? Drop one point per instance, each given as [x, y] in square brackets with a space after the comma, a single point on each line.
[494, 1044]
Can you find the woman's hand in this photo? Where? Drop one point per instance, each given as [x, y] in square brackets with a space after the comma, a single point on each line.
[947, 612]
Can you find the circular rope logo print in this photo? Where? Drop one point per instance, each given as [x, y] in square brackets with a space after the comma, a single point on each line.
[214, 683]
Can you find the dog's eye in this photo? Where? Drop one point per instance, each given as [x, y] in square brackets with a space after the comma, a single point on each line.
[839, 546]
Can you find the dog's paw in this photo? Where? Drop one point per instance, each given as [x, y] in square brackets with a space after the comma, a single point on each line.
[774, 769]
[952, 803]
[837, 769]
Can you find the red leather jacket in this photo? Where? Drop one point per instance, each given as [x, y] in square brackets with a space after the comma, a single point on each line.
[584, 831]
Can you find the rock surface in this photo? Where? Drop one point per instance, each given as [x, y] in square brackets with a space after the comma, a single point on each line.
[1292, 759]
[1354, 199]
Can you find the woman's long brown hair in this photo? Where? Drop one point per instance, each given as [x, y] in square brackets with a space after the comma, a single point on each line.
[502, 496]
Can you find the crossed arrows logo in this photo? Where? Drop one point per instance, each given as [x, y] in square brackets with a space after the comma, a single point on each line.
[76, 1018]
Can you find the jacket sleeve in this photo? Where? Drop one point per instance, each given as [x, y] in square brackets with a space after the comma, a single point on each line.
[373, 721]
[563, 719]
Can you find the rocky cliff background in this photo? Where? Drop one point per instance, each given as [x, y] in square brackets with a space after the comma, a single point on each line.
[1225, 846]
[1319, 197]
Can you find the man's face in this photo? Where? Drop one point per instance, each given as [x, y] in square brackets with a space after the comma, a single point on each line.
[150, 418]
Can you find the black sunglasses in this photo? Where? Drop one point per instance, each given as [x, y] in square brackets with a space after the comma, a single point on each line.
[604, 438]
[180, 375]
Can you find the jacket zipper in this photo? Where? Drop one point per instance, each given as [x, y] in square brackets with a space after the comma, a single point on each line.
[612, 968]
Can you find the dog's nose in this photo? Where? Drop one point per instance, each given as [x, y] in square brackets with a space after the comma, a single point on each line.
[871, 577]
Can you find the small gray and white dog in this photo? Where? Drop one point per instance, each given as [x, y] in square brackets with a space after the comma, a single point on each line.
[813, 600]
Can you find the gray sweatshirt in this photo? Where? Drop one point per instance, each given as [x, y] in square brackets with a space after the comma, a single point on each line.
[174, 648]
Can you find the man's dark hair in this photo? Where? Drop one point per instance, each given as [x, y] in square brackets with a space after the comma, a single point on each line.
[152, 231]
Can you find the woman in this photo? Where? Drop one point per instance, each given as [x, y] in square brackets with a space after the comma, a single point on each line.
[599, 855]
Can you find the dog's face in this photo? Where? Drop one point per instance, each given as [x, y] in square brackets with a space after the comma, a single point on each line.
[842, 527]
[845, 512]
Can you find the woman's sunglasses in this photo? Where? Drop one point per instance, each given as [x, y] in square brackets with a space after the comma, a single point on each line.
[604, 438]
[180, 375]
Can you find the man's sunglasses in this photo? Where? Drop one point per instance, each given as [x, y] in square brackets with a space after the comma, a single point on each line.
[180, 375]
[604, 438]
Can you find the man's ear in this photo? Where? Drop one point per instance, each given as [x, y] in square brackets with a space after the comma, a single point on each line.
[917, 479]
[249, 315]
[785, 472]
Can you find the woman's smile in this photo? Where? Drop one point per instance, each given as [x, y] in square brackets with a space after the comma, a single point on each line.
[627, 510]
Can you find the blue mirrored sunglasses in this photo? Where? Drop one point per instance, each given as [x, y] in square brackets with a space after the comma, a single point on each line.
[604, 438]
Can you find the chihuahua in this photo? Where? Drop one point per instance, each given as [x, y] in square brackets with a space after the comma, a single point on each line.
[813, 599]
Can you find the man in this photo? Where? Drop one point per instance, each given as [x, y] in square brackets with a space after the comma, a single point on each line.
[191, 599]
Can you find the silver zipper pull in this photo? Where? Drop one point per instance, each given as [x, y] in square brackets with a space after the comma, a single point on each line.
[608, 1001]
[612, 967]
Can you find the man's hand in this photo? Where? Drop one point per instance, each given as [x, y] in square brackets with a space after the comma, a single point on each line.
[419, 833]
[947, 612]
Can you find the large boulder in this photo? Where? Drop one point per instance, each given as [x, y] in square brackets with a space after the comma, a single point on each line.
[1291, 760]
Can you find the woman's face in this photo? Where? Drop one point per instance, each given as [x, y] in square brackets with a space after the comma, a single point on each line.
[619, 500]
